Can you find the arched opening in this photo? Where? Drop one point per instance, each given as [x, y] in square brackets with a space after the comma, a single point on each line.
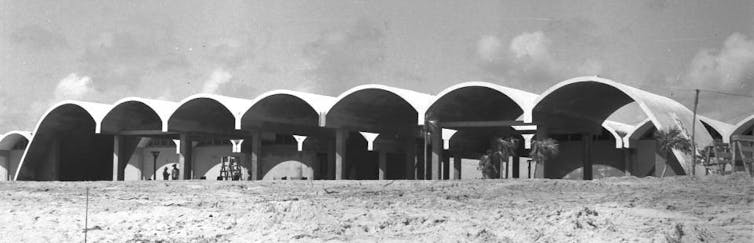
[65, 147]
[479, 112]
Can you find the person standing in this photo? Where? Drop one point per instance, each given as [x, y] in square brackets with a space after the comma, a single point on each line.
[165, 174]
[175, 173]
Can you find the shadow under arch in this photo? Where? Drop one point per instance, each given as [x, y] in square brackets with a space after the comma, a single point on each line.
[208, 113]
[137, 114]
[580, 105]
[65, 147]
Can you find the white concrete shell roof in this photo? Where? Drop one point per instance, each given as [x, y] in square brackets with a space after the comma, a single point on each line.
[164, 109]
[524, 99]
[236, 106]
[419, 101]
[10, 139]
[320, 103]
[723, 128]
[96, 111]
[742, 126]
[664, 112]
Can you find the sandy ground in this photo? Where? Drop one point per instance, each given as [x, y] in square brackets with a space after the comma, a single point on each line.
[678, 209]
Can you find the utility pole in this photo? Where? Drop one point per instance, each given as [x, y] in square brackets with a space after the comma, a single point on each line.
[693, 133]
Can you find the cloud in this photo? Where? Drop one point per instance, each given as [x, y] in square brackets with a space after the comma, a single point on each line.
[73, 86]
[342, 58]
[730, 68]
[217, 79]
[36, 37]
[229, 52]
[532, 46]
[530, 62]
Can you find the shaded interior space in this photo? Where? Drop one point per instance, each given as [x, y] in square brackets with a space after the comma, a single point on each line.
[280, 110]
[373, 110]
[362, 164]
[131, 115]
[66, 148]
[202, 115]
[472, 143]
[376, 111]
[716, 136]
[280, 159]
[579, 107]
[607, 160]
[474, 104]
[12, 147]
[573, 115]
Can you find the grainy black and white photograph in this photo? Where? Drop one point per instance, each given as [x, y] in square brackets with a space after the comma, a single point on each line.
[377, 121]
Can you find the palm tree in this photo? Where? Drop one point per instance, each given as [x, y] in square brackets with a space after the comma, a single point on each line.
[541, 150]
[502, 148]
[670, 140]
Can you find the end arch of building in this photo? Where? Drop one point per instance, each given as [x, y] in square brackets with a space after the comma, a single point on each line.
[65, 146]
[12, 147]
[580, 105]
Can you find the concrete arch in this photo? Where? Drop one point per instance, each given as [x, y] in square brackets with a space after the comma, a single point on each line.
[717, 128]
[637, 132]
[611, 128]
[203, 112]
[743, 127]
[483, 96]
[136, 113]
[72, 124]
[287, 107]
[10, 139]
[377, 104]
[10, 156]
[581, 104]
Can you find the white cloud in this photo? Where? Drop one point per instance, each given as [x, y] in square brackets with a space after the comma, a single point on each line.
[730, 68]
[217, 79]
[531, 45]
[488, 48]
[73, 86]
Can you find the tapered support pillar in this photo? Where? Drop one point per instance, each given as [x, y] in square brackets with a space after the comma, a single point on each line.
[118, 157]
[5, 170]
[587, 140]
[185, 160]
[456, 167]
[383, 164]
[340, 152]
[255, 155]
[436, 143]
[516, 166]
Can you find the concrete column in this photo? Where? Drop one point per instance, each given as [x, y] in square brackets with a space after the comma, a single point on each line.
[627, 161]
[256, 154]
[340, 152]
[436, 143]
[383, 164]
[516, 164]
[119, 157]
[5, 165]
[457, 166]
[587, 157]
[410, 159]
[185, 160]
[446, 165]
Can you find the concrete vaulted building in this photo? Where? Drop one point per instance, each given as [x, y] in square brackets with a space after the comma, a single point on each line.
[367, 132]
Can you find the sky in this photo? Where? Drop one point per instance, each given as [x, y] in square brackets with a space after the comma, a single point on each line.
[103, 51]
